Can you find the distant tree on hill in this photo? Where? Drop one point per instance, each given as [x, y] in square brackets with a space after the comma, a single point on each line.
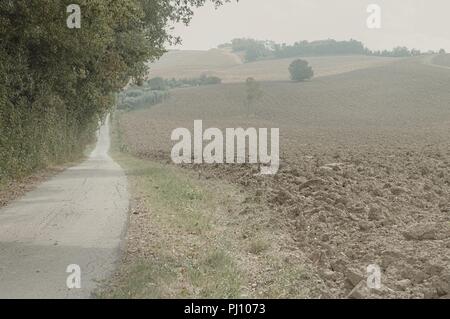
[255, 50]
[319, 48]
[401, 52]
[415, 52]
[254, 93]
[209, 80]
[300, 70]
[442, 51]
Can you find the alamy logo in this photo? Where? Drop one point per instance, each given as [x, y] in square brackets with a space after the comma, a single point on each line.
[74, 279]
[74, 19]
[374, 277]
[236, 147]
[374, 19]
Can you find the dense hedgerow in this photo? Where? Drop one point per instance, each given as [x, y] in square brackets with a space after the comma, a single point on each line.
[56, 82]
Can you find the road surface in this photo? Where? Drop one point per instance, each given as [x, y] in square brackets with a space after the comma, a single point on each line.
[76, 218]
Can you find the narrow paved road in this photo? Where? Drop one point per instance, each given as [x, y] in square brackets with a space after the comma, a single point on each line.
[76, 218]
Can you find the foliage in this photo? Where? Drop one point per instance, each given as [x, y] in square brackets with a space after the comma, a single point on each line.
[253, 49]
[137, 98]
[318, 48]
[254, 92]
[397, 52]
[257, 50]
[157, 83]
[56, 82]
[300, 70]
[164, 84]
[155, 90]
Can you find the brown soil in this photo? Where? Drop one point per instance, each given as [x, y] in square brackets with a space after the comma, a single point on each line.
[365, 170]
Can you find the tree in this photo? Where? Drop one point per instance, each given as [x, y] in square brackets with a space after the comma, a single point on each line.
[210, 80]
[253, 49]
[56, 82]
[300, 70]
[442, 51]
[254, 92]
[415, 52]
[401, 52]
[157, 83]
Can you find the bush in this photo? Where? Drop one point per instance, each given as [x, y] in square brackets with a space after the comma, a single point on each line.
[56, 83]
[133, 93]
[300, 70]
[160, 84]
[157, 84]
[210, 80]
[130, 99]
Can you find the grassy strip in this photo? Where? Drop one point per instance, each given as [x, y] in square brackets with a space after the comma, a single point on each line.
[172, 216]
[191, 238]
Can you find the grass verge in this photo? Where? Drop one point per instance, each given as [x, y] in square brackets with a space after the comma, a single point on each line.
[190, 237]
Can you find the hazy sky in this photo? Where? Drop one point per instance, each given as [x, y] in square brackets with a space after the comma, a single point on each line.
[422, 24]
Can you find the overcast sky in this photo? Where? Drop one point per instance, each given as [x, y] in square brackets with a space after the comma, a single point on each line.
[422, 24]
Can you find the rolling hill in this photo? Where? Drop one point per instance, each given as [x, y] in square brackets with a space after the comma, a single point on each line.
[230, 68]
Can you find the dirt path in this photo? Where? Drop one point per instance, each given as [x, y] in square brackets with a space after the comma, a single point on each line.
[76, 218]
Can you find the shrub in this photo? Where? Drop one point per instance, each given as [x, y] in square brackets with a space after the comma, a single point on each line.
[300, 70]
[134, 98]
[210, 80]
[157, 83]
[133, 93]
[254, 93]
[56, 82]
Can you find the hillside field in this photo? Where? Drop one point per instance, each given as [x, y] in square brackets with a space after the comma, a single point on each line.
[230, 68]
[364, 175]
[442, 60]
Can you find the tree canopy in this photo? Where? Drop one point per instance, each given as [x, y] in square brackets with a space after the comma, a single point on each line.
[257, 50]
[56, 82]
[300, 70]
